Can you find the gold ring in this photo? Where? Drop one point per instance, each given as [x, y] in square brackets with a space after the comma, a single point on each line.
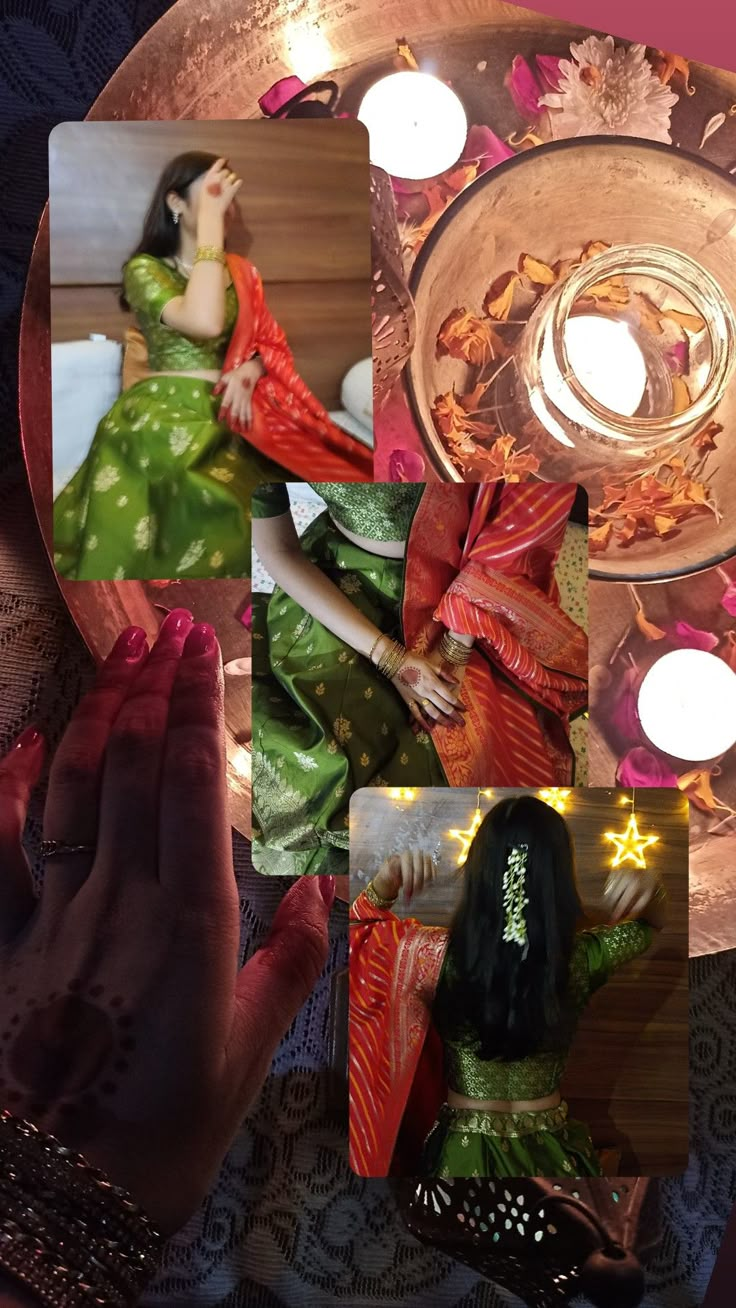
[424, 702]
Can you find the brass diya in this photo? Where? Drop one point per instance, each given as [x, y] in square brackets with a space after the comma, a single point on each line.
[670, 220]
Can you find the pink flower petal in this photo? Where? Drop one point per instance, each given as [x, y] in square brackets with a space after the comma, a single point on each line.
[640, 767]
[678, 358]
[624, 716]
[485, 148]
[548, 67]
[277, 95]
[683, 636]
[524, 88]
[246, 617]
[405, 465]
[728, 598]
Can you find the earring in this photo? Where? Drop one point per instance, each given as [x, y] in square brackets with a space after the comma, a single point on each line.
[175, 216]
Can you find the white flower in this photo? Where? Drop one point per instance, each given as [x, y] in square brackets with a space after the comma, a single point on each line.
[121, 501]
[179, 440]
[217, 559]
[191, 556]
[607, 90]
[144, 462]
[92, 542]
[119, 574]
[305, 761]
[106, 477]
[143, 532]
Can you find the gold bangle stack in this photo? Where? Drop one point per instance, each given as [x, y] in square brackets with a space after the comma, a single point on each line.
[67, 1233]
[210, 254]
[392, 658]
[453, 651]
[377, 900]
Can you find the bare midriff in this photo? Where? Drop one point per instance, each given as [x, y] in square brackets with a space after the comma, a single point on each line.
[199, 374]
[503, 1105]
[385, 549]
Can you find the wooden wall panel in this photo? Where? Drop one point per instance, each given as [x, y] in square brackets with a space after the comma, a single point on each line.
[628, 1072]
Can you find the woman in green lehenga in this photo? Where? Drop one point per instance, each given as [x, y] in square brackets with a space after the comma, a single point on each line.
[165, 489]
[414, 638]
[459, 1037]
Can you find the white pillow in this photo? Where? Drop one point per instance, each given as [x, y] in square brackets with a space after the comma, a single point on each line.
[85, 383]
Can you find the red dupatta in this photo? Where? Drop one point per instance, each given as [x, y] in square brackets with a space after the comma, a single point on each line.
[395, 1055]
[289, 425]
[480, 561]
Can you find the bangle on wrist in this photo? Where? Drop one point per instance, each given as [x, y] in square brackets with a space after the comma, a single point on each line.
[378, 901]
[210, 254]
[374, 646]
[392, 658]
[67, 1233]
[454, 651]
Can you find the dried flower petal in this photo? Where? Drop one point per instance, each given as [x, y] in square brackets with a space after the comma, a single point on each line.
[683, 636]
[598, 537]
[485, 149]
[728, 599]
[678, 357]
[681, 398]
[548, 67]
[648, 628]
[692, 322]
[668, 65]
[593, 248]
[405, 465]
[706, 439]
[524, 88]
[539, 273]
[500, 296]
[640, 767]
[463, 336]
[697, 786]
[712, 125]
[649, 315]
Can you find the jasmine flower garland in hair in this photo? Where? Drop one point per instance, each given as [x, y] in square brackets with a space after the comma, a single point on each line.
[514, 897]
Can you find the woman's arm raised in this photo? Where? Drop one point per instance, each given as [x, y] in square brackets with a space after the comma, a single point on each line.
[200, 311]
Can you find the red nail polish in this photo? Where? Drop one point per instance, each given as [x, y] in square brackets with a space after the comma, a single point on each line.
[28, 738]
[176, 623]
[201, 640]
[129, 645]
[327, 890]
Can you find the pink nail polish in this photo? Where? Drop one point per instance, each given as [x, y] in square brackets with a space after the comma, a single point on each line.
[129, 645]
[201, 640]
[28, 738]
[176, 623]
[327, 890]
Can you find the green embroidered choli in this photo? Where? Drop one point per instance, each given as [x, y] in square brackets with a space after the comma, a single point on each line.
[380, 511]
[149, 284]
[596, 955]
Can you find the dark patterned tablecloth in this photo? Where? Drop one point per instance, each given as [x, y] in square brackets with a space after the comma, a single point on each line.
[287, 1224]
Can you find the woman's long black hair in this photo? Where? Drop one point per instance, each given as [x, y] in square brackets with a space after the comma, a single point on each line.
[160, 236]
[489, 992]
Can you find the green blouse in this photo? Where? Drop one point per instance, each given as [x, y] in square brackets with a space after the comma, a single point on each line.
[149, 284]
[380, 511]
[596, 955]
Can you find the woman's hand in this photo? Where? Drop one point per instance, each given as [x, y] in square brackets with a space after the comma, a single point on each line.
[236, 388]
[220, 185]
[411, 872]
[430, 692]
[128, 1030]
[627, 894]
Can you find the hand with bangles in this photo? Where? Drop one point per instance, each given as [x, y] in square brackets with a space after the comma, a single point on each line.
[126, 1029]
[409, 872]
[429, 691]
[236, 388]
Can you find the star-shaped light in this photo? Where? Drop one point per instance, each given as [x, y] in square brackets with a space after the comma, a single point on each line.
[466, 837]
[630, 845]
[556, 798]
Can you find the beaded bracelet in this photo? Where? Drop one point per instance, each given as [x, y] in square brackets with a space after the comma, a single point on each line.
[210, 253]
[453, 651]
[66, 1232]
[378, 901]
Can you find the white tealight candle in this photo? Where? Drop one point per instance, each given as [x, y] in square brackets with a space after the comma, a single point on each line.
[607, 361]
[687, 705]
[417, 125]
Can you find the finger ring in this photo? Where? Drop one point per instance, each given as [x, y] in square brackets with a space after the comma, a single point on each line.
[424, 702]
[56, 848]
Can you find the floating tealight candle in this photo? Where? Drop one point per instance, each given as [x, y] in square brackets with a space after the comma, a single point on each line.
[687, 705]
[416, 123]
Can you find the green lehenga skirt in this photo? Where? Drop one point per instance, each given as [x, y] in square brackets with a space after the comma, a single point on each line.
[164, 492]
[325, 722]
[468, 1142]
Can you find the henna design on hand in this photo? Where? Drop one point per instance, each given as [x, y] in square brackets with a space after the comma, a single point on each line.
[410, 675]
[214, 188]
